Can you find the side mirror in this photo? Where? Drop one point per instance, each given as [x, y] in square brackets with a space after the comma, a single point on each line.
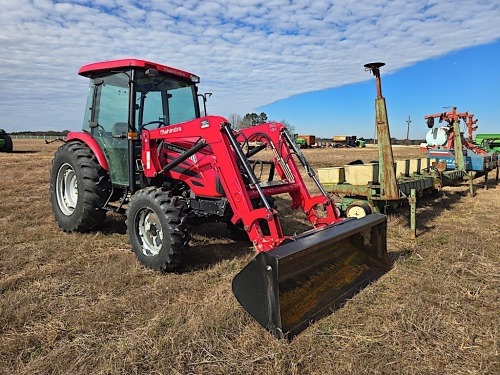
[430, 122]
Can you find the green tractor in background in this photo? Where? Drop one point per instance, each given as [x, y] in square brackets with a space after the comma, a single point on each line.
[5, 142]
[360, 143]
[489, 142]
[302, 143]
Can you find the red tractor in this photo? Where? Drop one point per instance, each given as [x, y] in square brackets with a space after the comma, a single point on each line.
[146, 151]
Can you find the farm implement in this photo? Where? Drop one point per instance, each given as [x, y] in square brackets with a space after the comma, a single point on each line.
[5, 142]
[385, 183]
[443, 142]
[145, 151]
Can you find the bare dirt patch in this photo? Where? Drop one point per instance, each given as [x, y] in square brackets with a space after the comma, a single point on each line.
[81, 304]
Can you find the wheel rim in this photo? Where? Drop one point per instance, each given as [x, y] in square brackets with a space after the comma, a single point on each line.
[150, 232]
[67, 189]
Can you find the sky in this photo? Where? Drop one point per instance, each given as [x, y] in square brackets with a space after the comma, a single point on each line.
[296, 60]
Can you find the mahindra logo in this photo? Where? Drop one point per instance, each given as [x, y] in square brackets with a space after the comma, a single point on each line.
[166, 131]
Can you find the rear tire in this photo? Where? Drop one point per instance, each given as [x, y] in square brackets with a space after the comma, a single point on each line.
[8, 144]
[79, 188]
[156, 225]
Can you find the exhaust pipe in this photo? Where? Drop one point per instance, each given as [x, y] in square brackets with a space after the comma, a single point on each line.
[298, 282]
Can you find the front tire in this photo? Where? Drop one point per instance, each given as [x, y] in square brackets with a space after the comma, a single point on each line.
[79, 188]
[156, 225]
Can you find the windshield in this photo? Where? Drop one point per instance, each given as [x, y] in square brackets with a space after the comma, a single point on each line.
[164, 99]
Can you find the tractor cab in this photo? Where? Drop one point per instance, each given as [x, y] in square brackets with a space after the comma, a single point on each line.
[127, 96]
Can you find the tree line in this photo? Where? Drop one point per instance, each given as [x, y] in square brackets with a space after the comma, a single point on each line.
[238, 122]
[42, 133]
[252, 119]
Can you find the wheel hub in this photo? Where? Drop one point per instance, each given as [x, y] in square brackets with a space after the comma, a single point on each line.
[67, 189]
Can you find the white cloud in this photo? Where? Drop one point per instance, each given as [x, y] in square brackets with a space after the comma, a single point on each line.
[248, 52]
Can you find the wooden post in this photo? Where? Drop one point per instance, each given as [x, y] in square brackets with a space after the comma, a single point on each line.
[413, 213]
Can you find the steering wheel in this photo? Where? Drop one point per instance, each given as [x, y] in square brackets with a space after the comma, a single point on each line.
[160, 124]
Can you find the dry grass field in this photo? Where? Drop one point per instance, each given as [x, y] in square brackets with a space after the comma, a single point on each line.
[81, 303]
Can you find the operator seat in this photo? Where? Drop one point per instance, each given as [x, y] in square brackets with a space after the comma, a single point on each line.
[119, 130]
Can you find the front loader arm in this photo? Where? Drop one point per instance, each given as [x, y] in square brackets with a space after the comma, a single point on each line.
[229, 162]
[213, 132]
[287, 168]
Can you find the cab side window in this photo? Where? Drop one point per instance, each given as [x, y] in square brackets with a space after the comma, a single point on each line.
[113, 103]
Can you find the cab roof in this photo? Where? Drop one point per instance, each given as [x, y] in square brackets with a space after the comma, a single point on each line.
[89, 69]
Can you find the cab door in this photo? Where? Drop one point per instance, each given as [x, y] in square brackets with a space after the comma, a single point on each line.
[109, 123]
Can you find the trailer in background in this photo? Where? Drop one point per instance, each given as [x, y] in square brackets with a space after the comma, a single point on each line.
[345, 140]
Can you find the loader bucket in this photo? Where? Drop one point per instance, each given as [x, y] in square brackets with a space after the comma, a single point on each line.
[288, 287]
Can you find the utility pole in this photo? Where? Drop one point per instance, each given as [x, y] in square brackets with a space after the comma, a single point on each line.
[408, 130]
